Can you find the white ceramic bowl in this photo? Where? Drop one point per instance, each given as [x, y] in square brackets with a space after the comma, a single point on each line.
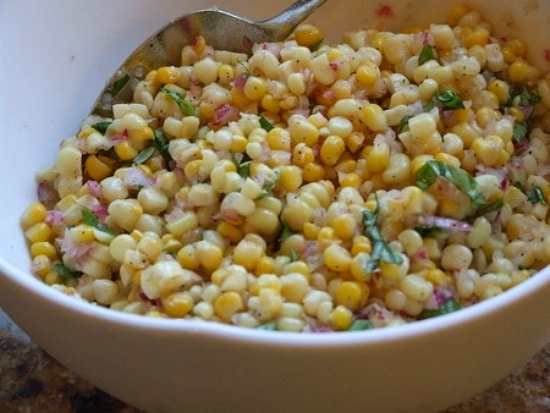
[55, 58]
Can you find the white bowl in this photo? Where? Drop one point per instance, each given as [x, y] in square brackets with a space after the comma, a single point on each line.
[55, 58]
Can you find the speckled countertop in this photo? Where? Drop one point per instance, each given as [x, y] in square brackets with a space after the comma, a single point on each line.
[32, 382]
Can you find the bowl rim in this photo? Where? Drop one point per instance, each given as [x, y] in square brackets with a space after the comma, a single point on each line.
[236, 334]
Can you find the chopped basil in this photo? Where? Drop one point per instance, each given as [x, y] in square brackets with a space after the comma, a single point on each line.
[266, 124]
[449, 100]
[119, 84]
[535, 195]
[520, 130]
[404, 122]
[90, 219]
[526, 98]
[381, 251]
[268, 326]
[285, 233]
[360, 324]
[66, 272]
[487, 209]
[446, 308]
[144, 155]
[426, 230]
[431, 170]
[243, 165]
[294, 255]
[428, 53]
[101, 127]
[185, 106]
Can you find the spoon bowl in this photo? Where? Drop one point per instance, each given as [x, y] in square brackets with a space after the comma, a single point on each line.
[220, 29]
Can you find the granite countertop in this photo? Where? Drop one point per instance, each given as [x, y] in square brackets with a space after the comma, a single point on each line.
[31, 381]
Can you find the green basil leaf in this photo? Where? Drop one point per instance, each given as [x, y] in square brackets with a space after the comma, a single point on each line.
[427, 53]
[294, 255]
[360, 324]
[268, 326]
[119, 84]
[144, 155]
[446, 308]
[161, 144]
[265, 124]
[449, 100]
[526, 98]
[101, 127]
[185, 106]
[431, 170]
[381, 251]
[520, 130]
[404, 123]
[91, 220]
[285, 233]
[66, 272]
[535, 195]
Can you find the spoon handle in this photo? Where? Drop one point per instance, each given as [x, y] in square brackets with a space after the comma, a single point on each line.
[295, 14]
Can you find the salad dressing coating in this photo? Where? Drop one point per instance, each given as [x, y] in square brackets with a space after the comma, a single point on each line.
[309, 186]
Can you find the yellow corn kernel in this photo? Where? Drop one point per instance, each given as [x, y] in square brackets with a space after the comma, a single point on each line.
[227, 304]
[170, 244]
[302, 155]
[486, 115]
[367, 74]
[199, 45]
[450, 159]
[226, 74]
[501, 89]
[290, 178]
[97, 168]
[515, 48]
[521, 71]
[358, 265]
[378, 158]
[209, 255]
[313, 172]
[310, 230]
[436, 276]
[326, 236]
[352, 180]
[239, 99]
[33, 214]
[374, 118]
[188, 258]
[478, 37]
[83, 233]
[229, 231]
[341, 318]
[351, 294]
[344, 226]
[52, 277]
[490, 150]
[254, 88]
[331, 149]
[302, 131]
[298, 267]
[456, 13]
[308, 35]
[270, 104]
[178, 304]
[266, 265]
[395, 272]
[141, 135]
[167, 74]
[125, 151]
[278, 139]
[41, 265]
[43, 248]
[360, 244]
[39, 232]
[337, 258]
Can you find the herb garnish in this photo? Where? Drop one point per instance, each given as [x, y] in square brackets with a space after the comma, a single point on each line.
[446, 308]
[535, 195]
[360, 324]
[119, 84]
[285, 233]
[185, 106]
[90, 219]
[102, 126]
[66, 272]
[266, 124]
[449, 100]
[160, 143]
[431, 170]
[381, 251]
[428, 53]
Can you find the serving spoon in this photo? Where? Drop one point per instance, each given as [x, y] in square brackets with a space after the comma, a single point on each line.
[221, 29]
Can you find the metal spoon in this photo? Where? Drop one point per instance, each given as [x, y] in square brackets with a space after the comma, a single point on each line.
[221, 29]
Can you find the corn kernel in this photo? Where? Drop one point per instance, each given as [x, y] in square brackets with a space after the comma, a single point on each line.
[33, 214]
[341, 318]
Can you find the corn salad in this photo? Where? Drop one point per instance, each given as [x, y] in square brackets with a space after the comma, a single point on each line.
[308, 186]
